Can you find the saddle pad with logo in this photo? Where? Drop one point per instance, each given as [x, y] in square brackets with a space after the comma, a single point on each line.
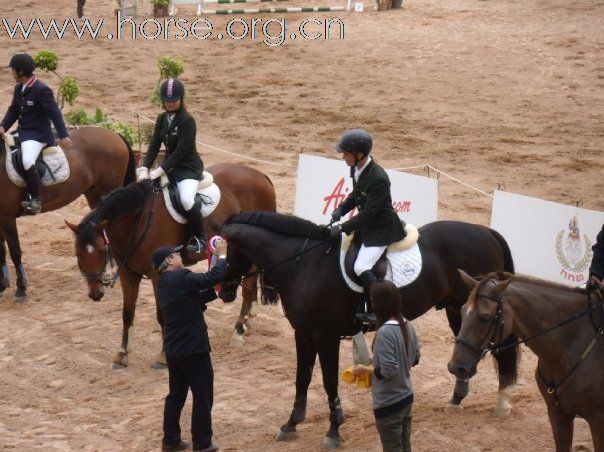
[53, 156]
[403, 266]
[208, 190]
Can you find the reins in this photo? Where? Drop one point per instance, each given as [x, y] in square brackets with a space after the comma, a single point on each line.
[498, 323]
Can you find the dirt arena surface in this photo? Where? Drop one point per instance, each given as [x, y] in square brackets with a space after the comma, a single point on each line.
[492, 92]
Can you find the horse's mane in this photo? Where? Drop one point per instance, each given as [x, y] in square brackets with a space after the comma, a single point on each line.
[502, 276]
[114, 205]
[282, 224]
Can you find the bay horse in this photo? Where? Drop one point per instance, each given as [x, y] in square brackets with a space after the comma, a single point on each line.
[561, 325]
[301, 262]
[130, 223]
[100, 161]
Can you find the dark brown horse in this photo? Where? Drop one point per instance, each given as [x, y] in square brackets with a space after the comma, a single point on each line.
[137, 222]
[560, 325]
[100, 161]
[303, 264]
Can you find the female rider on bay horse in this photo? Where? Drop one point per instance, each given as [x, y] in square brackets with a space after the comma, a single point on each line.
[376, 220]
[33, 106]
[176, 129]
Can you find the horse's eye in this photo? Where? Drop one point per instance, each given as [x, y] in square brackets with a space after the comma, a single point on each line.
[485, 318]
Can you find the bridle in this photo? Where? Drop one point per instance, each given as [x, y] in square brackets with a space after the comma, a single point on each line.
[495, 328]
[107, 279]
[102, 276]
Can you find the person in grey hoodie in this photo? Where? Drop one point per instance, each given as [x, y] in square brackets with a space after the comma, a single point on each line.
[395, 351]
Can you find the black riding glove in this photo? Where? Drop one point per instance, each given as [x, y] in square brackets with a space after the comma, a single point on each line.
[334, 231]
[336, 215]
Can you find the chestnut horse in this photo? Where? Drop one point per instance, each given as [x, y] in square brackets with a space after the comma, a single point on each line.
[561, 325]
[302, 262]
[132, 222]
[100, 161]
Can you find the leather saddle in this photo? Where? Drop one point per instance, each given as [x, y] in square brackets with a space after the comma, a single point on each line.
[17, 159]
[379, 269]
[175, 199]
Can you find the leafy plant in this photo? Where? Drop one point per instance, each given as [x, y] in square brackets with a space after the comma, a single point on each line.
[160, 2]
[146, 132]
[68, 91]
[47, 60]
[76, 117]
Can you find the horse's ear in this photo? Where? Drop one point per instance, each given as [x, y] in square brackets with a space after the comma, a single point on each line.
[467, 279]
[500, 287]
[216, 227]
[72, 226]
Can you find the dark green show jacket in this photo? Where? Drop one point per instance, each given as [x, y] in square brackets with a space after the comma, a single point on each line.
[182, 161]
[376, 220]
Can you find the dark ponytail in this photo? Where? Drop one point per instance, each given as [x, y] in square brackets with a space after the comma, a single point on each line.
[387, 303]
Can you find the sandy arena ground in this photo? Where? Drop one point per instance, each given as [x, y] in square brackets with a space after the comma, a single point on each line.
[494, 92]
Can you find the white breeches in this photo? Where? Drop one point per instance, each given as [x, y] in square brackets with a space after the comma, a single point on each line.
[368, 256]
[187, 189]
[31, 150]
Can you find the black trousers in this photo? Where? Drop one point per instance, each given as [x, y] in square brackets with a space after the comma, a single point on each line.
[193, 372]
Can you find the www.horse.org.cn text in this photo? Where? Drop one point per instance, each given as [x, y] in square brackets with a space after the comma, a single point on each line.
[272, 32]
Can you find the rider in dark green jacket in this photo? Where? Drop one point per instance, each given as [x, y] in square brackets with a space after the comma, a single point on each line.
[176, 129]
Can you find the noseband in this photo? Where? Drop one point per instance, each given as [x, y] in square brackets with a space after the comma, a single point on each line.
[496, 328]
[107, 261]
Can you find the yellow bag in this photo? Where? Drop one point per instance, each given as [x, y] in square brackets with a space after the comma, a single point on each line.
[362, 381]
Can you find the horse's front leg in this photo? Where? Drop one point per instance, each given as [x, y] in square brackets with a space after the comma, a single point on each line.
[11, 235]
[306, 355]
[507, 366]
[249, 308]
[4, 276]
[130, 283]
[161, 362]
[462, 385]
[329, 356]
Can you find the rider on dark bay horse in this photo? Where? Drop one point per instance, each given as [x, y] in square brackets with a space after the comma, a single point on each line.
[176, 129]
[34, 107]
[376, 220]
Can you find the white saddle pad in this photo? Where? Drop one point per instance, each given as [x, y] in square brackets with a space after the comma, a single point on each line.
[404, 264]
[210, 196]
[53, 156]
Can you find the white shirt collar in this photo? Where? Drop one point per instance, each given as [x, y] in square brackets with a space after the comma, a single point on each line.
[24, 85]
[357, 171]
[391, 322]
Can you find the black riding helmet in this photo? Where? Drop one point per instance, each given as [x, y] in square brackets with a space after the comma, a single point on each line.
[355, 140]
[171, 90]
[22, 63]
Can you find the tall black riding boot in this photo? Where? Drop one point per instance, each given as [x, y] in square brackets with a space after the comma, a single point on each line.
[367, 279]
[32, 180]
[198, 240]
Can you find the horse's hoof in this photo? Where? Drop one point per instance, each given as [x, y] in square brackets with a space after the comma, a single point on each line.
[453, 408]
[20, 298]
[253, 309]
[501, 412]
[331, 443]
[158, 365]
[236, 340]
[120, 360]
[285, 436]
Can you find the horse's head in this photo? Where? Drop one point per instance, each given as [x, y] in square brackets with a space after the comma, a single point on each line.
[94, 256]
[486, 322]
[239, 266]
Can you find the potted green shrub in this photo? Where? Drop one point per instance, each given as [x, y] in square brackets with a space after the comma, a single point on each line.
[160, 7]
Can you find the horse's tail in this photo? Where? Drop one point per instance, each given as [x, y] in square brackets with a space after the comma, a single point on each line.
[131, 169]
[508, 261]
[507, 360]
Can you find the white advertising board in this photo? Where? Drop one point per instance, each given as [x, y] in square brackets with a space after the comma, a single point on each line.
[548, 240]
[322, 184]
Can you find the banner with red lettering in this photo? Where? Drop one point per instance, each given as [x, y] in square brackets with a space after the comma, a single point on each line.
[548, 240]
[323, 184]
